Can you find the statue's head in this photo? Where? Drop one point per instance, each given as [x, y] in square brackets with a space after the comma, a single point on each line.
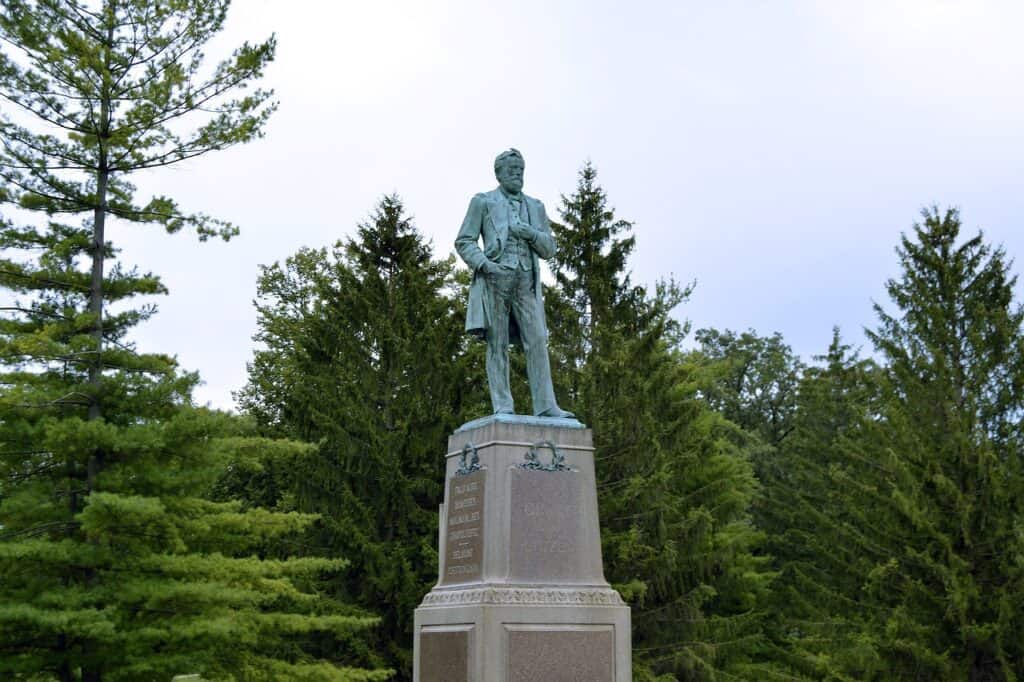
[508, 168]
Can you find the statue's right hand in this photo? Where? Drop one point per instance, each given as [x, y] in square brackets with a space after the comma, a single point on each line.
[491, 268]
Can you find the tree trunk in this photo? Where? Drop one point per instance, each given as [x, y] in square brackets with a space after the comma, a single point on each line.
[93, 672]
[98, 242]
[64, 670]
[96, 303]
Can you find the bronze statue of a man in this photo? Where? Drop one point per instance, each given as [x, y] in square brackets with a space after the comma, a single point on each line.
[505, 299]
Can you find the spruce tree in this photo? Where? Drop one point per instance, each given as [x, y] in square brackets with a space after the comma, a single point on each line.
[752, 381]
[592, 235]
[949, 601]
[116, 563]
[901, 485]
[820, 493]
[363, 353]
[674, 490]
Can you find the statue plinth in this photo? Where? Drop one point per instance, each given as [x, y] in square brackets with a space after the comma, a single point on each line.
[521, 594]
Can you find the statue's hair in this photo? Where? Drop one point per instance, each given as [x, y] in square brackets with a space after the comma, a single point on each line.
[502, 158]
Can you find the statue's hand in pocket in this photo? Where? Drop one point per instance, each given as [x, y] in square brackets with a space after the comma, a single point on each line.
[492, 269]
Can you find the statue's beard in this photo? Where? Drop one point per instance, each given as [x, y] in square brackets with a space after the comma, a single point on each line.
[514, 186]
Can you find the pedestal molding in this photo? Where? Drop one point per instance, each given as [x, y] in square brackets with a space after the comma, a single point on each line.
[544, 596]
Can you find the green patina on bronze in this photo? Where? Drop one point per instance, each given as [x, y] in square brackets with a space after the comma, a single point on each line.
[505, 298]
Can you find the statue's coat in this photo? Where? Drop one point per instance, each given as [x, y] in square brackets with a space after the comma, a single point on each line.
[488, 216]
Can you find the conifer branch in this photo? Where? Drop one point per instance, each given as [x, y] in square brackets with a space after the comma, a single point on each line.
[41, 529]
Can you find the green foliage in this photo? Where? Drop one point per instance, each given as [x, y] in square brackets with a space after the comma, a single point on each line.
[901, 485]
[146, 577]
[754, 381]
[364, 354]
[951, 596]
[117, 562]
[818, 496]
[674, 488]
[112, 85]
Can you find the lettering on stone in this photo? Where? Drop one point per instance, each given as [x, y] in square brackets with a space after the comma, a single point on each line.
[546, 526]
[463, 560]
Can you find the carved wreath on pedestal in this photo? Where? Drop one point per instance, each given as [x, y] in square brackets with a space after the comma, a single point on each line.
[533, 458]
[469, 461]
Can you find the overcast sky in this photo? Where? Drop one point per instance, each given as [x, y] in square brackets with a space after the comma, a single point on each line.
[772, 151]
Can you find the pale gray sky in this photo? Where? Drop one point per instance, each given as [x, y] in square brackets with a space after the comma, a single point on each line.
[773, 151]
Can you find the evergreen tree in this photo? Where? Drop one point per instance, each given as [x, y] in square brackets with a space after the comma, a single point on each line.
[902, 485]
[949, 600]
[819, 493]
[106, 90]
[363, 352]
[752, 381]
[674, 491]
[592, 235]
[115, 562]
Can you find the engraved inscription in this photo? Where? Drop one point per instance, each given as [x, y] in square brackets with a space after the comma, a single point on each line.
[464, 529]
[546, 526]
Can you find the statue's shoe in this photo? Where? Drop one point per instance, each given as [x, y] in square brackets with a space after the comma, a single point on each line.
[556, 412]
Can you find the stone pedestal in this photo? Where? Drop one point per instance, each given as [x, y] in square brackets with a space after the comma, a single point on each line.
[521, 595]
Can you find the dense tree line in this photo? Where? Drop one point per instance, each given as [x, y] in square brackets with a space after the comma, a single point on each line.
[856, 517]
[892, 501]
[362, 352]
[674, 486]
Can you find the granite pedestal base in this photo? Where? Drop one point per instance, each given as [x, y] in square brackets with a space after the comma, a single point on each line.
[521, 595]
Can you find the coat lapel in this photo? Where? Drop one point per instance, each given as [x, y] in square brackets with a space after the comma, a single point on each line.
[498, 211]
[533, 208]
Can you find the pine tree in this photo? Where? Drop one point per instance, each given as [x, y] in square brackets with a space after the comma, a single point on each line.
[105, 91]
[363, 353]
[116, 563]
[151, 578]
[674, 491]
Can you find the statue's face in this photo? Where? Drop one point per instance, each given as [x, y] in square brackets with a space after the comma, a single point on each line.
[510, 176]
